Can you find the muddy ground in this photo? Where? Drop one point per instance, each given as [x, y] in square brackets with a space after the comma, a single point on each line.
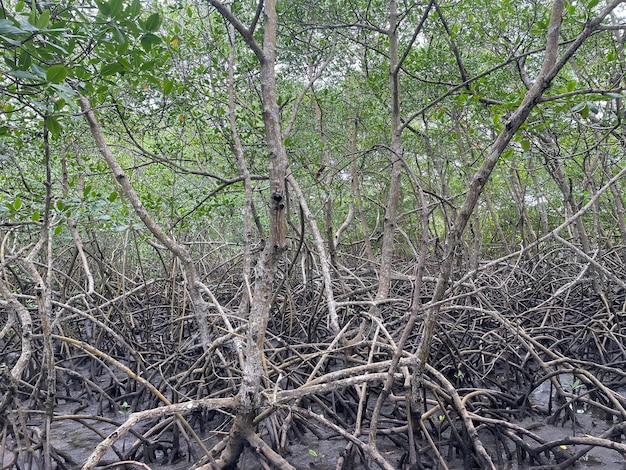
[528, 363]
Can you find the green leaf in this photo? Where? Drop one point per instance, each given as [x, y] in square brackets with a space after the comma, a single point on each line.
[7, 27]
[585, 111]
[115, 8]
[147, 65]
[43, 20]
[29, 27]
[123, 61]
[58, 229]
[312, 453]
[611, 55]
[32, 18]
[103, 7]
[56, 73]
[592, 4]
[112, 196]
[111, 69]
[35, 217]
[579, 107]
[59, 104]
[615, 95]
[134, 8]
[60, 49]
[148, 40]
[153, 22]
[23, 75]
[66, 92]
[571, 85]
[24, 60]
[593, 108]
[11, 42]
[17, 204]
[525, 145]
[52, 124]
[168, 86]
[119, 35]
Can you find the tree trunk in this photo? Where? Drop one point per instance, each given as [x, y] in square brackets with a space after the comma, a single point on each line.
[248, 398]
[391, 210]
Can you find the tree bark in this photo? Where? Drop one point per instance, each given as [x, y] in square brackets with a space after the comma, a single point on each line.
[391, 210]
[248, 397]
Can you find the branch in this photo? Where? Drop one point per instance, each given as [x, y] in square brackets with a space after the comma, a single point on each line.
[588, 91]
[296, 106]
[223, 185]
[200, 306]
[455, 50]
[325, 265]
[126, 185]
[414, 37]
[246, 34]
[134, 418]
[367, 449]
[257, 15]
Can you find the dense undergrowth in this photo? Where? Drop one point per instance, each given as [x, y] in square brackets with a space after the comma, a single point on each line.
[528, 321]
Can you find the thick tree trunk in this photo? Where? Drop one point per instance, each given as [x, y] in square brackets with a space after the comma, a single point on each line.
[248, 398]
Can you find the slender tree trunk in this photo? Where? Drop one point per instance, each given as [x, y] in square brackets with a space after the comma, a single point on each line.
[557, 170]
[391, 210]
[244, 306]
[618, 203]
[496, 223]
[193, 284]
[518, 194]
[355, 188]
[542, 200]
[325, 172]
[44, 300]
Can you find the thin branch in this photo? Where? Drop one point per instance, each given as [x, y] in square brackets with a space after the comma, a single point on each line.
[455, 49]
[257, 15]
[414, 37]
